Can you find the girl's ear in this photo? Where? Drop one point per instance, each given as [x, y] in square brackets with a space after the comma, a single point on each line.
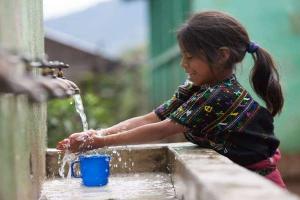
[224, 54]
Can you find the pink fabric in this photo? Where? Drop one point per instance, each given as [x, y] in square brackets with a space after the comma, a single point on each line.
[275, 176]
[270, 163]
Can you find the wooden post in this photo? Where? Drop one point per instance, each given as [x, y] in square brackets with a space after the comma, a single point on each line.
[22, 125]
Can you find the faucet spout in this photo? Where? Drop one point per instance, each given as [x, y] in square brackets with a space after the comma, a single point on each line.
[58, 87]
[70, 85]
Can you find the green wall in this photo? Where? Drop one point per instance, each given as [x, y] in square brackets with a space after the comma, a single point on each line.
[275, 25]
[165, 73]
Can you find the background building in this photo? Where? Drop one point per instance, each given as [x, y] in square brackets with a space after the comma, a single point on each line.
[84, 58]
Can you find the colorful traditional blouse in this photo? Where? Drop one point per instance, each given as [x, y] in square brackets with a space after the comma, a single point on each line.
[223, 117]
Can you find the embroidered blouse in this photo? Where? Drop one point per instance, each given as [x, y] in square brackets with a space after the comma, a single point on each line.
[223, 117]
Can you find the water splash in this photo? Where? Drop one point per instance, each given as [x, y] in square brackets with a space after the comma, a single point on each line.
[67, 159]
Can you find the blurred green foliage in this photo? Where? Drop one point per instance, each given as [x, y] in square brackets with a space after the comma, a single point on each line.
[108, 98]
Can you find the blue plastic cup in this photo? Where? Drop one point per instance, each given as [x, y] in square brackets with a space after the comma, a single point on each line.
[94, 169]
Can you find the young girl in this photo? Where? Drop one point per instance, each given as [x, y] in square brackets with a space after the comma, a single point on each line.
[212, 109]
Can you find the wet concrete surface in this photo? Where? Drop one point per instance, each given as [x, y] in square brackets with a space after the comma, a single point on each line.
[133, 186]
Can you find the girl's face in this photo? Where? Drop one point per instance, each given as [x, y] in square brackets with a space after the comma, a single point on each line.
[197, 69]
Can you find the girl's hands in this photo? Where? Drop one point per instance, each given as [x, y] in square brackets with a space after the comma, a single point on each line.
[83, 141]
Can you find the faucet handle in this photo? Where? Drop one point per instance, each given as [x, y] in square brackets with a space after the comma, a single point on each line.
[47, 66]
[42, 63]
[54, 64]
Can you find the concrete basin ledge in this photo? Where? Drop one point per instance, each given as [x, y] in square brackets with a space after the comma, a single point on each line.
[196, 173]
[204, 174]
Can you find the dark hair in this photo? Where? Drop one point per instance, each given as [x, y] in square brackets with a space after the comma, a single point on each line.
[206, 32]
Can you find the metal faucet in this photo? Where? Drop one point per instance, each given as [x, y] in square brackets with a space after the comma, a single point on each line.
[49, 69]
[38, 88]
[53, 69]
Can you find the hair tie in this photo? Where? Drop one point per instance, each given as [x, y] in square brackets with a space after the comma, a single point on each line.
[252, 47]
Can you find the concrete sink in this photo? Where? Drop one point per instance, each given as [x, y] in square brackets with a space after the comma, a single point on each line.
[164, 171]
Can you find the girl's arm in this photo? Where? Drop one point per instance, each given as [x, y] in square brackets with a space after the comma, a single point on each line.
[130, 124]
[143, 134]
[139, 135]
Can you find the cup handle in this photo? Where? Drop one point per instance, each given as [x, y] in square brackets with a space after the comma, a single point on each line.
[72, 169]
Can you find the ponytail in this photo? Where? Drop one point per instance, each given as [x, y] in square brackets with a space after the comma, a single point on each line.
[265, 81]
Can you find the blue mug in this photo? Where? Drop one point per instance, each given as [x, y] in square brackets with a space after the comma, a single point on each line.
[94, 169]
